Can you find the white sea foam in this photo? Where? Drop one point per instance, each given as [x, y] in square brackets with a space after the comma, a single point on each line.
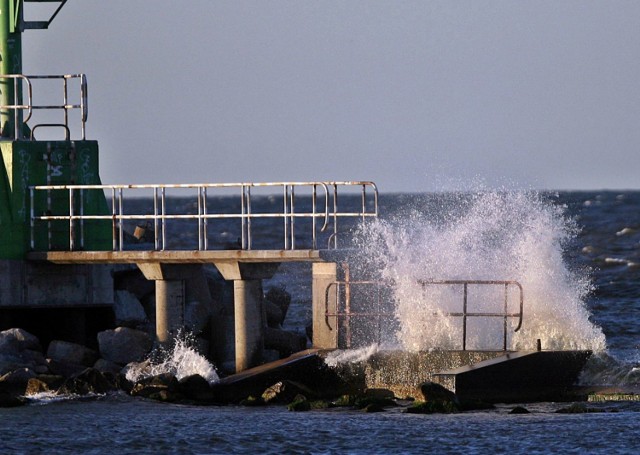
[182, 360]
[483, 236]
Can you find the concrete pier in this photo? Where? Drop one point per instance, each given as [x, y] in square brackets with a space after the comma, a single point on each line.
[247, 269]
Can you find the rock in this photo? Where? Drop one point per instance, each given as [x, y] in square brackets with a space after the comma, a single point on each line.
[35, 386]
[19, 376]
[283, 341]
[131, 279]
[299, 404]
[275, 317]
[17, 340]
[435, 393]
[196, 387]
[196, 316]
[128, 310]
[154, 386]
[281, 298]
[88, 381]
[432, 407]
[285, 392]
[64, 351]
[519, 410]
[373, 407]
[252, 401]
[577, 408]
[124, 345]
[65, 369]
[105, 366]
[43, 383]
[10, 398]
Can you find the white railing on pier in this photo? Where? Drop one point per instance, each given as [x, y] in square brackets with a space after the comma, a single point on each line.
[323, 213]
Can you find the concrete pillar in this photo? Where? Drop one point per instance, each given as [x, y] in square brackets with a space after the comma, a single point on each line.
[169, 309]
[170, 297]
[249, 313]
[325, 329]
[249, 323]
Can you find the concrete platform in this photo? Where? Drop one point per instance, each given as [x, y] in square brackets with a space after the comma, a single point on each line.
[175, 256]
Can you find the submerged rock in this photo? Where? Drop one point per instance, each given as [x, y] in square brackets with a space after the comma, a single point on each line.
[299, 404]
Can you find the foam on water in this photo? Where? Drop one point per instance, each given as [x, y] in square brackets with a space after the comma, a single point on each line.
[181, 360]
[489, 235]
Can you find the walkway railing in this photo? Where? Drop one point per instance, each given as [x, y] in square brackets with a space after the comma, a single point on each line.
[341, 293]
[322, 210]
[25, 108]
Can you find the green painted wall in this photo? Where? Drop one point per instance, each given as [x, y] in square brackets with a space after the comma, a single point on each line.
[26, 163]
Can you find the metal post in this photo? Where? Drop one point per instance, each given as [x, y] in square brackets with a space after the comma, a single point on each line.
[10, 63]
[464, 319]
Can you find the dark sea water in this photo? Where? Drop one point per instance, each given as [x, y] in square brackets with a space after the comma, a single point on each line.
[603, 248]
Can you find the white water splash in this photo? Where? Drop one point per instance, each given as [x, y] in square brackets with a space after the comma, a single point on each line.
[483, 236]
[338, 357]
[181, 361]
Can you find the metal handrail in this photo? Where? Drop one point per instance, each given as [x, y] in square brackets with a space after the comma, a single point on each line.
[29, 106]
[159, 217]
[464, 314]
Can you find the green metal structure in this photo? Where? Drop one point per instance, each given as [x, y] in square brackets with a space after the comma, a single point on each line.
[27, 161]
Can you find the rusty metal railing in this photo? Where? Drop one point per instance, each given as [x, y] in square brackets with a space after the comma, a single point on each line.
[342, 300]
[465, 314]
[324, 213]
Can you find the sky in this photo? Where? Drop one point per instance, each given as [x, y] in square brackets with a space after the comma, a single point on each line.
[413, 95]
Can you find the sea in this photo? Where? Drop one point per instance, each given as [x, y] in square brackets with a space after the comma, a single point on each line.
[576, 254]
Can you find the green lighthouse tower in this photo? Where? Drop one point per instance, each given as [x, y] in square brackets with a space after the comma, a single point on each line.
[42, 142]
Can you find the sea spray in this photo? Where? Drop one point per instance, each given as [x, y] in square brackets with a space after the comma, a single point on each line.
[180, 360]
[490, 235]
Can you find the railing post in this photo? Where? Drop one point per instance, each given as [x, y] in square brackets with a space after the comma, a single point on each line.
[71, 232]
[464, 319]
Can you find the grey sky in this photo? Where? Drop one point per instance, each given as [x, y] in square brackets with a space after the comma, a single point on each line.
[414, 95]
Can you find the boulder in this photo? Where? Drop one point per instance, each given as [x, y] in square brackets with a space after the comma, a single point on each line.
[284, 392]
[275, 317]
[128, 310]
[436, 393]
[64, 369]
[64, 351]
[196, 316]
[19, 376]
[124, 345]
[162, 387]
[16, 340]
[195, 387]
[105, 366]
[88, 381]
[9, 397]
[280, 298]
[283, 341]
[43, 383]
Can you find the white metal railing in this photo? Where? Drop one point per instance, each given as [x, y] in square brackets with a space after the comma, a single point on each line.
[19, 108]
[324, 210]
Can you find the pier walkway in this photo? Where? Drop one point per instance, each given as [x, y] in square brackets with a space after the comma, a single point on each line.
[166, 230]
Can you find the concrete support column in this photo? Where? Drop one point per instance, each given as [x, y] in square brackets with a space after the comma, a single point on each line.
[169, 309]
[249, 323]
[325, 329]
[249, 313]
[170, 297]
